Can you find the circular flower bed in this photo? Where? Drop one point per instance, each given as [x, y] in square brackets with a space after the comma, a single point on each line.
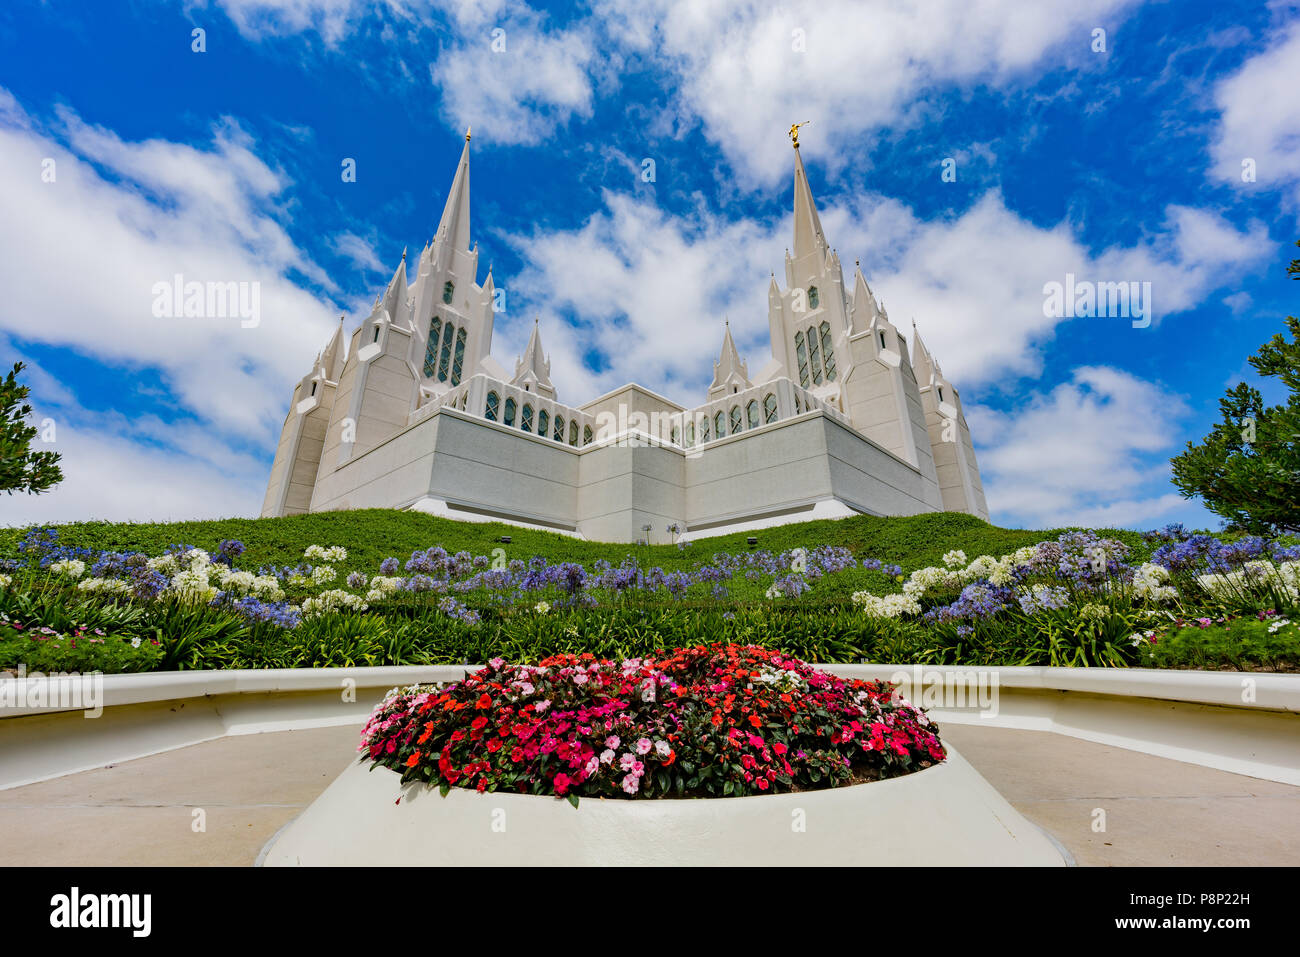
[718, 721]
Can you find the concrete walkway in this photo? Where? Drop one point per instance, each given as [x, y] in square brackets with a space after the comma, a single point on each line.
[242, 789]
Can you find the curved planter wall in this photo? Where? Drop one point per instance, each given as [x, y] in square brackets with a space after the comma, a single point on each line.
[944, 815]
[1243, 723]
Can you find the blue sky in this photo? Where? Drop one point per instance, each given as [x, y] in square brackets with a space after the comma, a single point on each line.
[1122, 164]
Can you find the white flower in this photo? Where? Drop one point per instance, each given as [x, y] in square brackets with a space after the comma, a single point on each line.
[69, 566]
[1149, 583]
[332, 601]
[5, 580]
[104, 585]
[335, 553]
[135, 642]
[955, 558]
[890, 606]
[166, 564]
[542, 607]
[322, 575]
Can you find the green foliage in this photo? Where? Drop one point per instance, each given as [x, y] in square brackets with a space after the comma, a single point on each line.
[21, 469]
[1248, 468]
[1242, 644]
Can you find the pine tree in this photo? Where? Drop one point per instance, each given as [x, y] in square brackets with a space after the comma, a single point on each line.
[1248, 469]
[21, 469]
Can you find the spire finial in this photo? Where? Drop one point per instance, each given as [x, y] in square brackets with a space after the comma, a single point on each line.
[794, 132]
[467, 129]
[403, 254]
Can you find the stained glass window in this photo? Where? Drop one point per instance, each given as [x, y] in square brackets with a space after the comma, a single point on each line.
[526, 419]
[458, 363]
[769, 408]
[510, 412]
[431, 348]
[828, 351]
[493, 401]
[801, 351]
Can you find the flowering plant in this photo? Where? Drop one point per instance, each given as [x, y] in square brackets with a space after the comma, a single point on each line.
[716, 721]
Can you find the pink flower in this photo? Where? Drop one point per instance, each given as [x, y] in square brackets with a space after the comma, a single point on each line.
[612, 741]
[643, 746]
[606, 756]
[631, 783]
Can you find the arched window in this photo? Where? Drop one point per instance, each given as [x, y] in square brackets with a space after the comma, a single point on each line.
[882, 339]
[559, 429]
[573, 432]
[735, 419]
[769, 408]
[798, 406]
[431, 348]
[675, 436]
[448, 289]
[751, 412]
[801, 352]
[313, 388]
[444, 357]
[720, 424]
[490, 412]
[814, 357]
[690, 434]
[458, 363]
[813, 298]
[543, 420]
[704, 430]
[510, 413]
[586, 435]
[376, 338]
[828, 351]
[940, 393]
[526, 419]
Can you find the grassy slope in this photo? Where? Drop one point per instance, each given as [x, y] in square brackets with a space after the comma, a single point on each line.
[371, 535]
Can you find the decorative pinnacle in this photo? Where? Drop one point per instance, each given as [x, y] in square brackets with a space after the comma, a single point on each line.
[467, 129]
[794, 132]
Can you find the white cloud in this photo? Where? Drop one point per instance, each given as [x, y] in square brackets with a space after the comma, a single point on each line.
[357, 250]
[156, 210]
[649, 290]
[331, 19]
[79, 275]
[517, 86]
[1260, 118]
[1093, 451]
[864, 62]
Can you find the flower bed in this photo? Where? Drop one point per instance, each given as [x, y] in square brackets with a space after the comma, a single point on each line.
[718, 721]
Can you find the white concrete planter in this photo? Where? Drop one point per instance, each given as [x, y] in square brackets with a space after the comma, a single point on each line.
[945, 815]
[1232, 721]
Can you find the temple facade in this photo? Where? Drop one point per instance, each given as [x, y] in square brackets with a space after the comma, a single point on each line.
[412, 411]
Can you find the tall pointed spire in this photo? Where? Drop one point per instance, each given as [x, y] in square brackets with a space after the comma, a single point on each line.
[533, 369]
[808, 235]
[453, 228]
[730, 374]
[331, 360]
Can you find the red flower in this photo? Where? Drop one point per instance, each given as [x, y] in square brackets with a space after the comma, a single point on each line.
[413, 760]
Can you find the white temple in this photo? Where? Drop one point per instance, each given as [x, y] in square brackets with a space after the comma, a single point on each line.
[416, 413]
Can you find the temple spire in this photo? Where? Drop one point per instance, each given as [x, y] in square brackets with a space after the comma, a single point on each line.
[453, 228]
[533, 369]
[808, 235]
[730, 374]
